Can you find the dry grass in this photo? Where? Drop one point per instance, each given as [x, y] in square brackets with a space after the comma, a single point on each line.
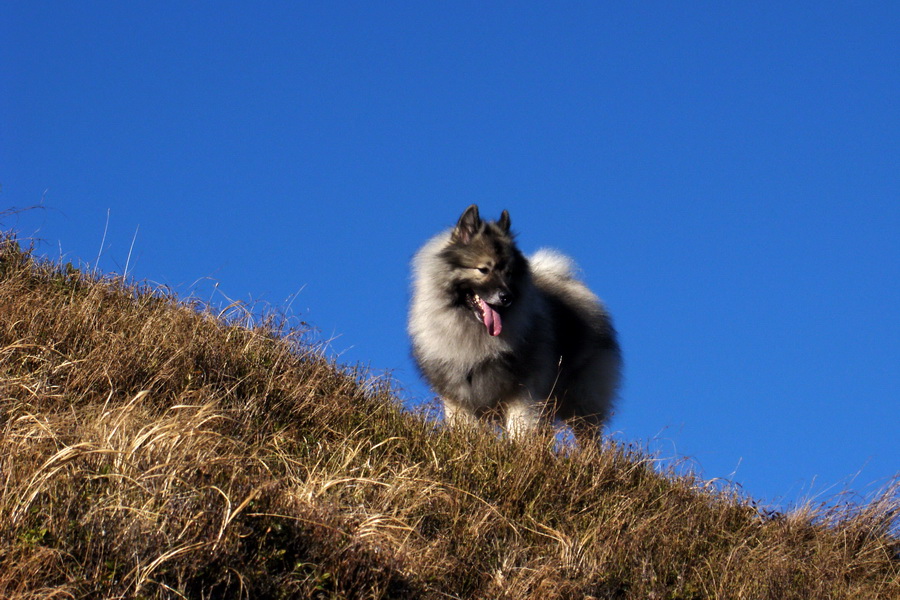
[151, 449]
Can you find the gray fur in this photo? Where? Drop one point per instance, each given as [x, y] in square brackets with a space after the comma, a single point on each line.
[556, 355]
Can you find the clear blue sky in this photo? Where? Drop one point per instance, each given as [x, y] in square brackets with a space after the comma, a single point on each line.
[726, 174]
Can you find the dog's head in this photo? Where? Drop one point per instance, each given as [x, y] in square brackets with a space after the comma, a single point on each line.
[488, 268]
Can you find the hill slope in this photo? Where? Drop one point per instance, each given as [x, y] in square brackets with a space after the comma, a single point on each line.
[151, 449]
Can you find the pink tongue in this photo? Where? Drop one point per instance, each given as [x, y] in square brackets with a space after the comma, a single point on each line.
[491, 319]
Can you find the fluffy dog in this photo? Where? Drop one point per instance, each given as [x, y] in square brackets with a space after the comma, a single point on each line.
[506, 338]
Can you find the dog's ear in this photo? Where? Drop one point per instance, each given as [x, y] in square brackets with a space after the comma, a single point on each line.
[504, 221]
[468, 225]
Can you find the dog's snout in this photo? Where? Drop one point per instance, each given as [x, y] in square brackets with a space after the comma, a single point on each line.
[505, 298]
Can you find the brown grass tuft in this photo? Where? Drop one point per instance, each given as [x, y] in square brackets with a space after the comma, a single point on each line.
[152, 449]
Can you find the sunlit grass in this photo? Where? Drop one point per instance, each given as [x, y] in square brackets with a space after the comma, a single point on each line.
[152, 448]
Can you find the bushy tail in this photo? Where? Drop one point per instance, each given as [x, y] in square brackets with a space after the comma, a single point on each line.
[548, 262]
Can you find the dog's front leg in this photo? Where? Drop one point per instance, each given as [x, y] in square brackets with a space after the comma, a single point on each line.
[456, 415]
[521, 417]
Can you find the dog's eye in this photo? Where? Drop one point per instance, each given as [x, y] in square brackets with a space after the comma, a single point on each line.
[483, 270]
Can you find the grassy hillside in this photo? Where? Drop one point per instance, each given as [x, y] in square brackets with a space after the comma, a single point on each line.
[151, 449]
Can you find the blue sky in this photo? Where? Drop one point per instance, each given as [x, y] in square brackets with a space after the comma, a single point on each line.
[727, 175]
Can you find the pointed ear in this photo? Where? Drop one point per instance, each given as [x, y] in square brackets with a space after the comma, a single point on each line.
[467, 226]
[504, 221]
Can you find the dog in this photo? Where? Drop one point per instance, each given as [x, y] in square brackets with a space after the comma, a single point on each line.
[508, 339]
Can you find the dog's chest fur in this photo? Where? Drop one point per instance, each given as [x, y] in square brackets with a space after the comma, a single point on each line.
[469, 367]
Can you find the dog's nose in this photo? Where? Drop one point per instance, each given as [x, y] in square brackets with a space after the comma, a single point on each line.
[505, 298]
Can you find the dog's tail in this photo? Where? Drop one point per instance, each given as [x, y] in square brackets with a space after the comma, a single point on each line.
[548, 262]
